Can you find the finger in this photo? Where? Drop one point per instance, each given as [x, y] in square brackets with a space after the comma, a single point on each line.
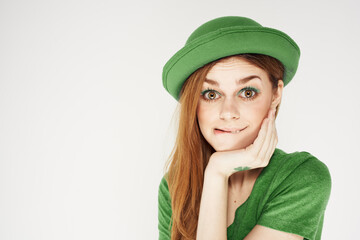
[256, 147]
[259, 141]
[275, 137]
[266, 143]
[269, 132]
[272, 146]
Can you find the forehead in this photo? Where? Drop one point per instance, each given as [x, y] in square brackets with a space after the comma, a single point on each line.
[233, 63]
[234, 68]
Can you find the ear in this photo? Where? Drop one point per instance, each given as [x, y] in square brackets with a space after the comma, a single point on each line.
[276, 99]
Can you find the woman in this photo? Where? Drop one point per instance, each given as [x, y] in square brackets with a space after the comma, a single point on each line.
[227, 179]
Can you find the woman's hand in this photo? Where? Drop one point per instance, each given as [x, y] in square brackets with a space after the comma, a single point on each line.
[256, 155]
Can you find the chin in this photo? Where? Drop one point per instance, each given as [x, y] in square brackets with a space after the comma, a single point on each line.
[227, 147]
[231, 145]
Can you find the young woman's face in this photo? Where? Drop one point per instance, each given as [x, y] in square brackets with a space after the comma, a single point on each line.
[235, 98]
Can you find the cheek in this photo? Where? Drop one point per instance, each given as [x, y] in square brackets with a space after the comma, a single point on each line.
[205, 114]
[254, 113]
[259, 110]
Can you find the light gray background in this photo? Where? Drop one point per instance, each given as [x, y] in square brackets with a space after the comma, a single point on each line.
[86, 126]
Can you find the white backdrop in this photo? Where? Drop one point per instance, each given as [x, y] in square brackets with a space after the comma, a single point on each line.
[85, 124]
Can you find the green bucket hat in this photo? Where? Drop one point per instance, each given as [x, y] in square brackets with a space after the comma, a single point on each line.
[226, 36]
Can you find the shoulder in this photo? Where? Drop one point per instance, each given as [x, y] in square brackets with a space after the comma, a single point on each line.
[163, 191]
[164, 182]
[300, 169]
[298, 162]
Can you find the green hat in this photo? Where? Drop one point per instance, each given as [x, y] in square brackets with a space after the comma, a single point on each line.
[226, 36]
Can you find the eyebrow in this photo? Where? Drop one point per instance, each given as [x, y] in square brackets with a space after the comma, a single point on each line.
[240, 81]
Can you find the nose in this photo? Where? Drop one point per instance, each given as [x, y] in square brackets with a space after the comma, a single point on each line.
[229, 110]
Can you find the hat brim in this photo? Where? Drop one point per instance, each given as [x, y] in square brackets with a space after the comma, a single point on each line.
[226, 42]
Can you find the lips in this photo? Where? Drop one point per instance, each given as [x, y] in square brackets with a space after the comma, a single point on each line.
[228, 130]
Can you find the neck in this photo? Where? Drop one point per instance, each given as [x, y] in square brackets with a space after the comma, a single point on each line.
[242, 179]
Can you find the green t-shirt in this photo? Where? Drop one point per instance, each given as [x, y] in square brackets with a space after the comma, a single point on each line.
[289, 195]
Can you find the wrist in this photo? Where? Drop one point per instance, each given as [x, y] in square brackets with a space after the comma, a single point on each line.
[215, 178]
[213, 171]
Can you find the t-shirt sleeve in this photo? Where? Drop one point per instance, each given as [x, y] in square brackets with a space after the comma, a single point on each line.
[164, 211]
[298, 203]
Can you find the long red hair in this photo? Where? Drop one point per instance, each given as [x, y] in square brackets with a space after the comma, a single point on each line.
[190, 155]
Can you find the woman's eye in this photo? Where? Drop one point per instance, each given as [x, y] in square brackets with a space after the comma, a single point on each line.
[248, 93]
[211, 95]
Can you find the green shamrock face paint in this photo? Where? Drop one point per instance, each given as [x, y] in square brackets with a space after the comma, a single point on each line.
[241, 168]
